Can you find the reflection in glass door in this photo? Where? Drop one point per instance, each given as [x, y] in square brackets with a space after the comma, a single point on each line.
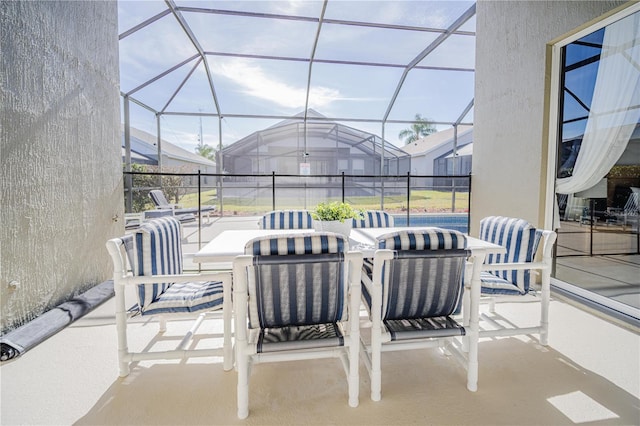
[598, 167]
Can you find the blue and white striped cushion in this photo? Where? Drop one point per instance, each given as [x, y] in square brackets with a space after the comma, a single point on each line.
[287, 219]
[306, 243]
[293, 292]
[401, 302]
[521, 240]
[187, 297]
[423, 239]
[373, 219]
[155, 249]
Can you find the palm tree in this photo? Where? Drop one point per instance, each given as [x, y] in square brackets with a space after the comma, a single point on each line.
[206, 151]
[419, 129]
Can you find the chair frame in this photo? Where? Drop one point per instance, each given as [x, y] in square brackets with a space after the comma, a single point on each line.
[465, 351]
[198, 212]
[544, 266]
[246, 351]
[123, 277]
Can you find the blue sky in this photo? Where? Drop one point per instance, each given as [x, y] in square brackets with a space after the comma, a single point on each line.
[261, 86]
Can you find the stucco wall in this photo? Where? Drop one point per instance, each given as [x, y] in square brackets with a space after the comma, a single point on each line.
[61, 177]
[510, 149]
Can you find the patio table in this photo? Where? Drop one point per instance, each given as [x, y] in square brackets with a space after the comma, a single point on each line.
[229, 244]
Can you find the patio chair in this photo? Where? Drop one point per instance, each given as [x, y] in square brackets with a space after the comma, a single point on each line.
[411, 289]
[162, 203]
[295, 298]
[154, 255]
[286, 219]
[510, 274]
[374, 219]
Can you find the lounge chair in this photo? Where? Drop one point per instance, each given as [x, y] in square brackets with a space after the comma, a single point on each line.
[296, 297]
[154, 253]
[162, 203]
[410, 290]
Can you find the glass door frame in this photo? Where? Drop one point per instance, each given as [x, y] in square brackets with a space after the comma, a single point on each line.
[554, 52]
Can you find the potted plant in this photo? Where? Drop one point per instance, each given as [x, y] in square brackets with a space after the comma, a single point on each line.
[334, 217]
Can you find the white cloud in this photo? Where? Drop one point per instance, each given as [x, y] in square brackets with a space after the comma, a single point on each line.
[252, 80]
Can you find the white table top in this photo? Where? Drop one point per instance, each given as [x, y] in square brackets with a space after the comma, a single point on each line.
[367, 236]
[229, 244]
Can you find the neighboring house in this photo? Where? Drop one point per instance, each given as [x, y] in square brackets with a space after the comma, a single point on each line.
[433, 154]
[175, 159]
[330, 148]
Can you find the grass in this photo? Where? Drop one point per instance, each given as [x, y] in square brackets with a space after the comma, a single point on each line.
[421, 201]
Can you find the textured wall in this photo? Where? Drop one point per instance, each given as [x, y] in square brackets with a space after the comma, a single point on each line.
[509, 153]
[61, 177]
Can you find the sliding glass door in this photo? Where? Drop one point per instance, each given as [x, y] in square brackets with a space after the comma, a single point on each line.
[597, 173]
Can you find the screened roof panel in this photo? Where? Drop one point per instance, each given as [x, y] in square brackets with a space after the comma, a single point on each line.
[422, 13]
[259, 55]
[350, 89]
[252, 35]
[195, 95]
[152, 50]
[158, 93]
[439, 96]
[376, 45]
[256, 86]
[456, 51]
[299, 8]
[132, 13]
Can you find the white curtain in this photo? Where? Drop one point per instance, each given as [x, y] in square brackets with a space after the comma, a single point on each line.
[615, 107]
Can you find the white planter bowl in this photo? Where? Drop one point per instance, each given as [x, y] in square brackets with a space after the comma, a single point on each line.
[343, 228]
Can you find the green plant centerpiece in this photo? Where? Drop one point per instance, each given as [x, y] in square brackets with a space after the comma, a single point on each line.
[334, 217]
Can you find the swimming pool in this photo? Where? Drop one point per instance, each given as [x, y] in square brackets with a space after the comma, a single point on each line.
[457, 221]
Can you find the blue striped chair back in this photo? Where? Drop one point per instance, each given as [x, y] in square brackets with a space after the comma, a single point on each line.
[154, 249]
[521, 240]
[286, 219]
[297, 280]
[424, 279]
[374, 219]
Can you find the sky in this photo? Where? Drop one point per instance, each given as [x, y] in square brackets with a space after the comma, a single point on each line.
[264, 86]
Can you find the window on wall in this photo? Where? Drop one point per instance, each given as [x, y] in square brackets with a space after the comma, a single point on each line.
[598, 165]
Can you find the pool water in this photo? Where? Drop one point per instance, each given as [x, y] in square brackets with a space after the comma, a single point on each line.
[459, 222]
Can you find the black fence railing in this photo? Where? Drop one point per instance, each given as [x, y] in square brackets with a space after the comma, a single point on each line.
[412, 199]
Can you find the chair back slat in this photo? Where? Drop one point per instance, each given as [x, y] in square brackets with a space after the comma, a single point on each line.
[155, 249]
[286, 219]
[521, 241]
[424, 278]
[373, 219]
[297, 280]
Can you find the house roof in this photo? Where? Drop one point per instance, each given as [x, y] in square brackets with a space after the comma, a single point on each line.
[144, 144]
[435, 140]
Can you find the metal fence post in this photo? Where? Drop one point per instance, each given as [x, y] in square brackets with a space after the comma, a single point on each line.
[408, 198]
[273, 190]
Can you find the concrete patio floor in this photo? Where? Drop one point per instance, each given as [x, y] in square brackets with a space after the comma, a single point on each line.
[589, 373]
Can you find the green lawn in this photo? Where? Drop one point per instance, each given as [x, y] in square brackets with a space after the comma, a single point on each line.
[421, 201]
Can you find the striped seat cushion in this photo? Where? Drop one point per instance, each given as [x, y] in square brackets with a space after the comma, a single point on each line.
[286, 219]
[155, 249]
[297, 280]
[187, 297]
[373, 219]
[521, 240]
[300, 337]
